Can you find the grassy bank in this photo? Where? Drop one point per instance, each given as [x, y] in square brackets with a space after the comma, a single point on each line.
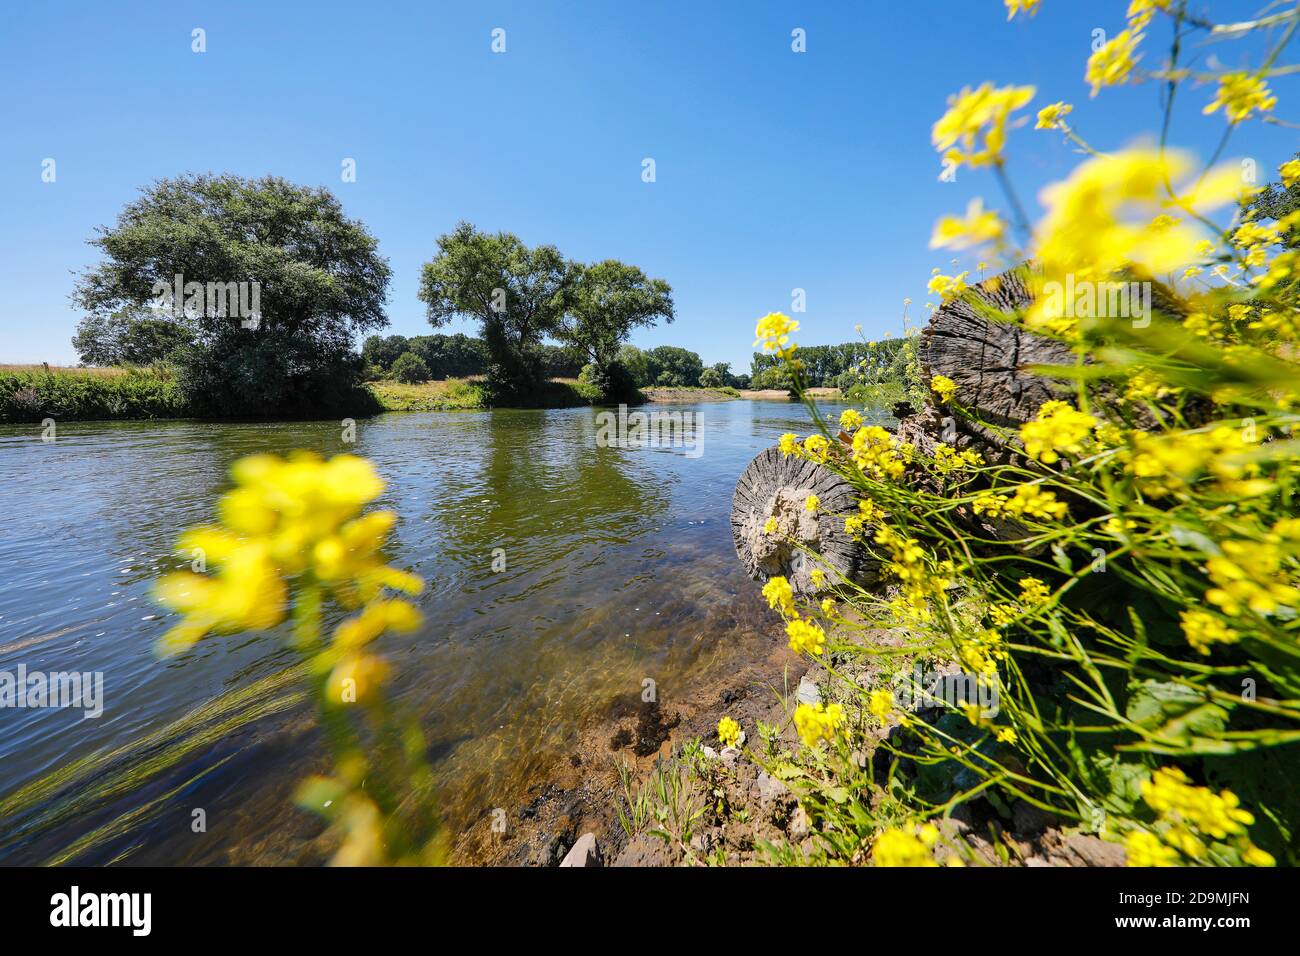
[689, 394]
[30, 393]
[453, 393]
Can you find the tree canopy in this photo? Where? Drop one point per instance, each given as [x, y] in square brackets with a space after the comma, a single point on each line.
[316, 279]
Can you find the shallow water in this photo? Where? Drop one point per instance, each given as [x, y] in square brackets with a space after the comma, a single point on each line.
[619, 567]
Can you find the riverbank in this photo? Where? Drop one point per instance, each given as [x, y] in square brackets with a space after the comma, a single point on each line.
[654, 787]
[32, 393]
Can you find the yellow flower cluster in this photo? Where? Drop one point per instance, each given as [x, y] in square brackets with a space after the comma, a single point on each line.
[879, 454]
[728, 732]
[910, 846]
[972, 112]
[982, 652]
[1246, 574]
[1033, 591]
[868, 513]
[1203, 629]
[789, 444]
[1165, 464]
[1059, 427]
[947, 459]
[1053, 116]
[850, 420]
[947, 287]
[881, 703]
[816, 447]
[817, 722]
[1240, 96]
[1029, 501]
[773, 333]
[920, 580]
[812, 503]
[806, 635]
[944, 387]
[978, 227]
[285, 518]
[1113, 62]
[1188, 816]
[1021, 6]
[780, 596]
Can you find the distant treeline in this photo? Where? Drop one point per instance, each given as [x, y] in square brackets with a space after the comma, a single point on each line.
[459, 356]
[847, 366]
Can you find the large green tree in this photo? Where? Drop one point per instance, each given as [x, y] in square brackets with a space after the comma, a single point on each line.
[674, 366]
[517, 293]
[609, 300]
[128, 337]
[317, 275]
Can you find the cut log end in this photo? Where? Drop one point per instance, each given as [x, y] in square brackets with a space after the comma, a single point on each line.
[777, 486]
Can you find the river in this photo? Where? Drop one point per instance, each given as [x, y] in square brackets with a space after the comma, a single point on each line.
[618, 566]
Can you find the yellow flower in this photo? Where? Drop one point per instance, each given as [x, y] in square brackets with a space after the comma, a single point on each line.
[355, 679]
[910, 846]
[728, 732]
[1241, 95]
[817, 722]
[1203, 629]
[881, 703]
[947, 459]
[815, 447]
[1049, 117]
[818, 577]
[944, 387]
[1003, 614]
[773, 333]
[982, 652]
[1033, 591]
[1021, 6]
[1290, 172]
[972, 112]
[1112, 63]
[1246, 573]
[850, 420]
[1058, 428]
[769, 526]
[811, 503]
[978, 227]
[1032, 501]
[1145, 849]
[780, 596]
[789, 444]
[1170, 793]
[1005, 735]
[876, 452]
[806, 636]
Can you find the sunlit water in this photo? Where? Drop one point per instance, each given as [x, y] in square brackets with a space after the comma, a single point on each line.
[619, 566]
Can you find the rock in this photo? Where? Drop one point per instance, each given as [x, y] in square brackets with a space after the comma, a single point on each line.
[583, 853]
[710, 753]
[645, 850]
[808, 692]
[769, 788]
[729, 754]
[799, 824]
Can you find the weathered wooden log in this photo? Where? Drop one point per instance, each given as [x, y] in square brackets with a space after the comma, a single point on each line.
[777, 486]
[987, 358]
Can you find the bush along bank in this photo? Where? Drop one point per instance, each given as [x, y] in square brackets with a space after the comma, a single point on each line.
[99, 394]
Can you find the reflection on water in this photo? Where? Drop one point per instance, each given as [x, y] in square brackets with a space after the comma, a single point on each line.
[618, 566]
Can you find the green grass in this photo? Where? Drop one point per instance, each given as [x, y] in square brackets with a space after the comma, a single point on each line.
[453, 393]
[429, 396]
[34, 392]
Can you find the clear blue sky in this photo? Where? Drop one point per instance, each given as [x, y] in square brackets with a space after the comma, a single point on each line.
[775, 170]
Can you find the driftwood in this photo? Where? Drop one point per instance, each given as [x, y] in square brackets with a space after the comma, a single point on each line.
[988, 360]
[775, 486]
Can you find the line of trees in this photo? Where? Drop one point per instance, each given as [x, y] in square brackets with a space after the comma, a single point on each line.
[834, 366]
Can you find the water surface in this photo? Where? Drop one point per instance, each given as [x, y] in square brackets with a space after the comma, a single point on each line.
[619, 566]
